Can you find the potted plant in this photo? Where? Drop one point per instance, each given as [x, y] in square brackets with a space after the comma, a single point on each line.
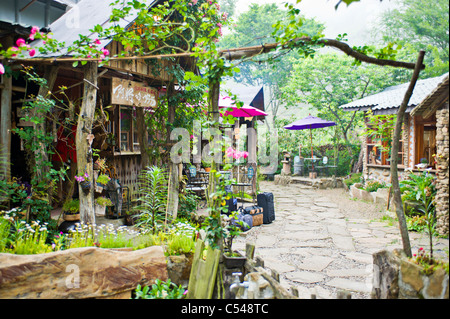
[206, 166]
[71, 209]
[232, 259]
[100, 205]
[102, 180]
[84, 181]
[100, 164]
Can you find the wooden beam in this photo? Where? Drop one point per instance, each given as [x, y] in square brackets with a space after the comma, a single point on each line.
[83, 147]
[5, 128]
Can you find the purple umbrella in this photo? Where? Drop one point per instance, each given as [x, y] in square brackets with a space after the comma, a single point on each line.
[309, 122]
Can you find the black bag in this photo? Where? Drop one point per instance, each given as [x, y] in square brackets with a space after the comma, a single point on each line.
[265, 200]
[230, 205]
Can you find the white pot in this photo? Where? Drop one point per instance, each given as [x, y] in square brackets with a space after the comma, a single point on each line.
[99, 210]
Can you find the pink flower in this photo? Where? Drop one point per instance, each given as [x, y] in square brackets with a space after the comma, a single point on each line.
[97, 41]
[105, 51]
[32, 52]
[31, 37]
[34, 30]
[20, 42]
[230, 152]
[244, 154]
[2, 69]
[194, 1]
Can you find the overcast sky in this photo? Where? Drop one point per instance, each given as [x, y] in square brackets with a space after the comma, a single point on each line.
[355, 20]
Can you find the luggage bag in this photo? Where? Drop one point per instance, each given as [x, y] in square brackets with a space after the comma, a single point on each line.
[265, 200]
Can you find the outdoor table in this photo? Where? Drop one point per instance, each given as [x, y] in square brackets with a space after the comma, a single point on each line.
[312, 160]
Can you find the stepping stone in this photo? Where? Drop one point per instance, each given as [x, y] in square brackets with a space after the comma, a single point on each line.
[338, 230]
[266, 241]
[347, 284]
[354, 272]
[304, 277]
[304, 236]
[315, 263]
[344, 243]
[359, 257]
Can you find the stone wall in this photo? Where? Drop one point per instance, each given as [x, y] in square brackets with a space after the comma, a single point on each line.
[395, 277]
[442, 156]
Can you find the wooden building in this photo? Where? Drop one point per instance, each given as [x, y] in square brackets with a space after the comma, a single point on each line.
[418, 143]
[125, 89]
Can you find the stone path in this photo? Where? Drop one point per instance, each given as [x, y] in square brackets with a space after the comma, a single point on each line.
[317, 250]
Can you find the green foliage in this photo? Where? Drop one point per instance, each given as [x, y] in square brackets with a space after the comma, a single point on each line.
[373, 186]
[103, 179]
[180, 244]
[152, 197]
[160, 290]
[353, 179]
[428, 263]
[417, 187]
[103, 201]
[71, 206]
[188, 202]
[418, 25]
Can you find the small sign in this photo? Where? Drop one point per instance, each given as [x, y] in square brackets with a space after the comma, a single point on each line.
[125, 92]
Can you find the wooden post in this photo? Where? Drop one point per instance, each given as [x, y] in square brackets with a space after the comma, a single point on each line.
[84, 152]
[142, 136]
[5, 129]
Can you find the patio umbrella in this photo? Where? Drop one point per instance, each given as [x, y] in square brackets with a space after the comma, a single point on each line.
[244, 111]
[309, 122]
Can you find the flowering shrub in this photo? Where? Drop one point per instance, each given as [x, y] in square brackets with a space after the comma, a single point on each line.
[373, 186]
[82, 178]
[428, 263]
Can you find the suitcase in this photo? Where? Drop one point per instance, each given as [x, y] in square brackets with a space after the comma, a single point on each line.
[265, 200]
[257, 219]
[253, 210]
[246, 219]
[256, 213]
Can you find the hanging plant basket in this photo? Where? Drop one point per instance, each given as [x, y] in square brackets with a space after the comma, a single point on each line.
[86, 185]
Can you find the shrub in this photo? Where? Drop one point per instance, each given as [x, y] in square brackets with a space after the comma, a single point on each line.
[373, 186]
[354, 178]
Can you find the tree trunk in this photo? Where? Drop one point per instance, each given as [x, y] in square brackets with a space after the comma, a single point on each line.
[173, 194]
[213, 111]
[394, 159]
[83, 146]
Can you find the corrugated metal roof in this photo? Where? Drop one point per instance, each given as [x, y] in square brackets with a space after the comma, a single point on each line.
[434, 99]
[392, 97]
[81, 18]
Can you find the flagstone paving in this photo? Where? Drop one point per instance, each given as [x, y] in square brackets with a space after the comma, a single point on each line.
[316, 249]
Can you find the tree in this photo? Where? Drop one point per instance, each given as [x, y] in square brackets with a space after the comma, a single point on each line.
[271, 69]
[419, 25]
[330, 80]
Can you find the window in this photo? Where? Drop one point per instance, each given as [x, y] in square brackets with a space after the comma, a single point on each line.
[125, 130]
